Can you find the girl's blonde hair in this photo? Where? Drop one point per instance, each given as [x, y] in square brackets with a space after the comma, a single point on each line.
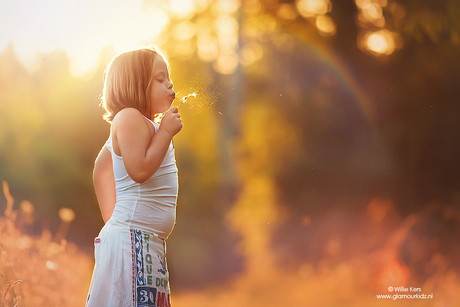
[127, 82]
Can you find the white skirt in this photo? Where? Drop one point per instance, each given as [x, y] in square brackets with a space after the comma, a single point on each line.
[130, 269]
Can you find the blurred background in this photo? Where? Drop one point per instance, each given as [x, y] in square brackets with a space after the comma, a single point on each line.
[318, 163]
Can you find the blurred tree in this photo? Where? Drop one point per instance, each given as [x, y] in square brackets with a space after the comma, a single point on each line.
[46, 153]
[407, 150]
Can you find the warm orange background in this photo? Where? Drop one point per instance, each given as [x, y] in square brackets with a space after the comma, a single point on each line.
[318, 162]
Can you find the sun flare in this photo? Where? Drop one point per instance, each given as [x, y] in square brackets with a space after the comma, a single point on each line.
[80, 28]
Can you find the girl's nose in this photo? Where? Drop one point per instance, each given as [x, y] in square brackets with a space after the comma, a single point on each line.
[170, 85]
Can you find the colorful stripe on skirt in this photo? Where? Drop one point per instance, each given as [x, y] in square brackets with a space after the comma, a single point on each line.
[150, 274]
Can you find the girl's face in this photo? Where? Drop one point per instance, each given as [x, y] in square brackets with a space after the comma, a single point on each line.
[161, 91]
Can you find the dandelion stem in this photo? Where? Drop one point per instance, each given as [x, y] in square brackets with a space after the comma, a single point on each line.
[182, 100]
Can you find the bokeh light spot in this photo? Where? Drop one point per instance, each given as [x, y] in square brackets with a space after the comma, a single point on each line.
[226, 24]
[207, 48]
[325, 25]
[252, 7]
[250, 53]
[311, 8]
[381, 42]
[182, 8]
[372, 11]
[287, 12]
[226, 6]
[226, 64]
[184, 31]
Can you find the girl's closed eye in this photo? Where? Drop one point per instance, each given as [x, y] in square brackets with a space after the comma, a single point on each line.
[160, 76]
[163, 79]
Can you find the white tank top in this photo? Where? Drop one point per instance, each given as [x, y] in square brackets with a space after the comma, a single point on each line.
[150, 205]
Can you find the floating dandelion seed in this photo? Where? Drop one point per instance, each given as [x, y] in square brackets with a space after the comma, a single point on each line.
[184, 99]
[159, 116]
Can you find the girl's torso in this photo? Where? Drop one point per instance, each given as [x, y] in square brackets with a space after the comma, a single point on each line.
[150, 205]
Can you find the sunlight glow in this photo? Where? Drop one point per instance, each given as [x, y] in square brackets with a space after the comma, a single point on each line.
[226, 64]
[227, 36]
[183, 49]
[228, 42]
[182, 8]
[81, 28]
[226, 25]
[227, 6]
[184, 31]
[207, 48]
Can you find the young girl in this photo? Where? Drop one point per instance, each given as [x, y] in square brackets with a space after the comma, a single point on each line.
[135, 179]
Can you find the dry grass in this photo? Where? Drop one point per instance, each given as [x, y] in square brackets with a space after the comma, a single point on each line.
[36, 270]
[341, 280]
[376, 250]
[364, 254]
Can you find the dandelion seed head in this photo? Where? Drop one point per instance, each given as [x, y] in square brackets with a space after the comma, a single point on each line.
[183, 99]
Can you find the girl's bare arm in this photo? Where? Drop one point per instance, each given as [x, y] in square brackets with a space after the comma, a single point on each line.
[143, 153]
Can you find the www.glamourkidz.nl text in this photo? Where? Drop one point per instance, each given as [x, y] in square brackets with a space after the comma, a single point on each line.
[408, 293]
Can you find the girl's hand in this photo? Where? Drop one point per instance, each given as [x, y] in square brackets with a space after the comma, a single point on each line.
[171, 122]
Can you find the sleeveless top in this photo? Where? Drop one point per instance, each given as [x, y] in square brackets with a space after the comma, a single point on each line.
[151, 205]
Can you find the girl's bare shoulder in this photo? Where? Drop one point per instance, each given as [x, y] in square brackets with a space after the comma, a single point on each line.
[129, 116]
[130, 127]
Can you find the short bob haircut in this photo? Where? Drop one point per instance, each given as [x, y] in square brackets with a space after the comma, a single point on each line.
[127, 81]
